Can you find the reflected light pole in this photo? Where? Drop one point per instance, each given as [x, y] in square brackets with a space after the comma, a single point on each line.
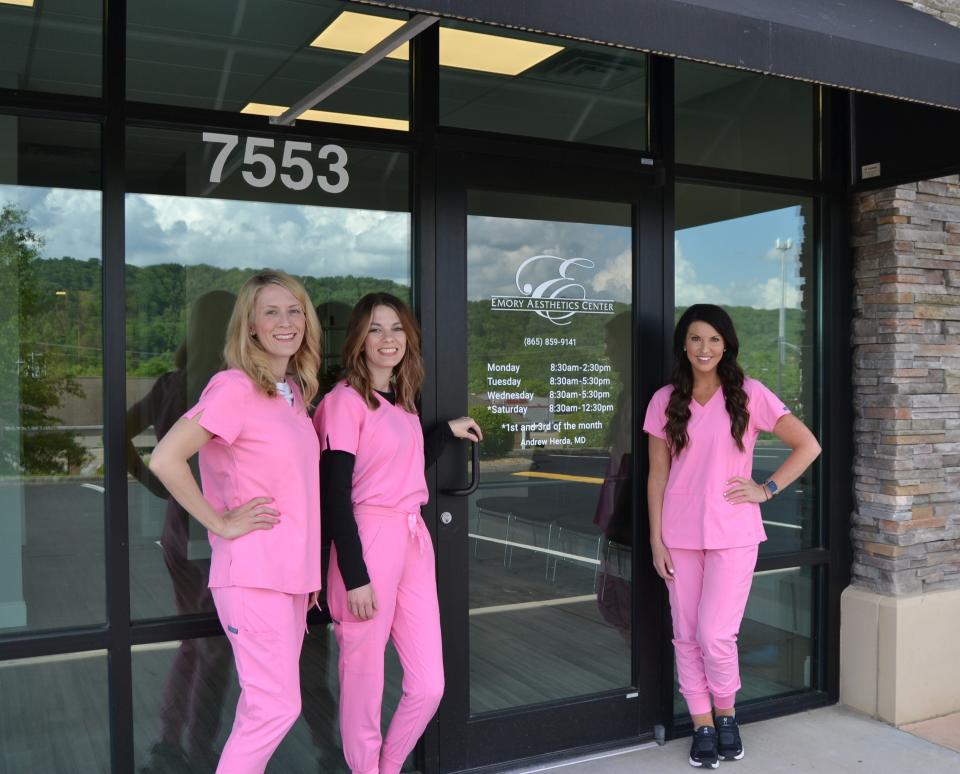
[784, 246]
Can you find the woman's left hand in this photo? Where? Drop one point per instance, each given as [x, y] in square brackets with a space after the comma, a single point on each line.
[744, 490]
[466, 427]
[312, 599]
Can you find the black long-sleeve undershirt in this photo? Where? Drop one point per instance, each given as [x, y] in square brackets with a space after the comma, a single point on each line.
[336, 497]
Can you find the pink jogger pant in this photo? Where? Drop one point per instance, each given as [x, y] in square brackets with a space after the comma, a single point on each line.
[400, 562]
[265, 629]
[707, 598]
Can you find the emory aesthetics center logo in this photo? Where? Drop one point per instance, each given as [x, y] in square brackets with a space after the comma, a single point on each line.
[557, 298]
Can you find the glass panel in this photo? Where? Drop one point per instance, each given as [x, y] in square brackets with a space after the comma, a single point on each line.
[190, 245]
[549, 340]
[185, 694]
[753, 253]
[501, 80]
[738, 120]
[51, 414]
[52, 45]
[54, 715]
[776, 637]
[262, 56]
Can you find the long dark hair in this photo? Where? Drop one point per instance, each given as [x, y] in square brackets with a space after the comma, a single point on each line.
[729, 371]
[407, 376]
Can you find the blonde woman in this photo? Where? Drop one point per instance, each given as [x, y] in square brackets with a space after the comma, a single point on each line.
[259, 466]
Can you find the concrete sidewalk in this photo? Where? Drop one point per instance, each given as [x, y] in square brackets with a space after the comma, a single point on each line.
[831, 740]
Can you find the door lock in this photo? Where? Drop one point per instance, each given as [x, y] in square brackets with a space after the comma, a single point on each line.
[446, 517]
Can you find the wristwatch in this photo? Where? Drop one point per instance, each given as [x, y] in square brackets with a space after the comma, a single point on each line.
[771, 486]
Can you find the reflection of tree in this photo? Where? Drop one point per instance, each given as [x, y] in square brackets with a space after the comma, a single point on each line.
[34, 380]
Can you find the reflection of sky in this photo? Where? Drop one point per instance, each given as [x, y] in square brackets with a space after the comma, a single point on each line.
[496, 247]
[736, 261]
[305, 240]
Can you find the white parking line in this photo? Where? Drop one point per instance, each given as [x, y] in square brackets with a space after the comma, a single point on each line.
[530, 605]
[536, 549]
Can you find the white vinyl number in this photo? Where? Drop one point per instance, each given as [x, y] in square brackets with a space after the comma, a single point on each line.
[296, 163]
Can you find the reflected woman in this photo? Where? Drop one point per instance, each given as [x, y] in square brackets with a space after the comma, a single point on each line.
[704, 506]
[259, 466]
[381, 582]
[197, 677]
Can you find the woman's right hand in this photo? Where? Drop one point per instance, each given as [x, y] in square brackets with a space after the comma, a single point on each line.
[362, 602]
[662, 562]
[250, 516]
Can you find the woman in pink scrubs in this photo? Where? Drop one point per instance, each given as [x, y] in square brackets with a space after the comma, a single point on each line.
[259, 465]
[381, 583]
[705, 525]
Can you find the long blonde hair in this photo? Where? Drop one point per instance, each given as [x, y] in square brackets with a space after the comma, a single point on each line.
[244, 352]
[407, 376]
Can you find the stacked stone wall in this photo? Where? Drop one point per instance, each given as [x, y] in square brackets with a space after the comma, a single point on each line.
[906, 337]
[945, 10]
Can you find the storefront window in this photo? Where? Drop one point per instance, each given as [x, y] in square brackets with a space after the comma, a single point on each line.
[52, 45]
[501, 80]
[740, 120]
[54, 714]
[191, 243]
[752, 253]
[776, 641]
[196, 228]
[261, 56]
[51, 361]
[185, 693]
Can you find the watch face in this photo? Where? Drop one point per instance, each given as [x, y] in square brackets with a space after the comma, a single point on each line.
[772, 487]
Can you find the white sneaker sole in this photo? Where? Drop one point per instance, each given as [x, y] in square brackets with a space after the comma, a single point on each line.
[698, 765]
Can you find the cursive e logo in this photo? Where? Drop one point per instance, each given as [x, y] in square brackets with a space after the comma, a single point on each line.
[560, 287]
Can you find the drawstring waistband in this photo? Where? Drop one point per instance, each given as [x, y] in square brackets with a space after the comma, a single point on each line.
[415, 526]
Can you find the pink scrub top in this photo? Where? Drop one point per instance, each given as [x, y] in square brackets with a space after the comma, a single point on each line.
[387, 444]
[695, 513]
[261, 447]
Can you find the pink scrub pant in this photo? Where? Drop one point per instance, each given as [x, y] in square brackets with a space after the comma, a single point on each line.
[265, 629]
[707, 598]
[400, 561]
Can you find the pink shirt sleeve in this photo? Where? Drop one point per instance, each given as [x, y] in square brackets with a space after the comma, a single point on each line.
[764, 406]
[340, 419]
[656, 416]
[222, 405]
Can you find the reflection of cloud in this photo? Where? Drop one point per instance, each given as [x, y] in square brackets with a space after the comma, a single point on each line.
[67, 219]
[754, 292]
[497, 246]
[312, 241]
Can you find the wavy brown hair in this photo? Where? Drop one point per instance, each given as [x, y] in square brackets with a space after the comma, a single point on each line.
[407, 376]
[243, 351]
[728, 370]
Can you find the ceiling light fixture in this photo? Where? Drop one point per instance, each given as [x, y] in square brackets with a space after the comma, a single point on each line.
[357, 33]
[353, 119]
[24, 3]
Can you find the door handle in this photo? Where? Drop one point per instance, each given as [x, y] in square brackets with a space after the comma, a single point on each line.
[474, 475]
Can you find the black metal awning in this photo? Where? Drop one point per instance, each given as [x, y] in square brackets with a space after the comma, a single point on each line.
[878, 46]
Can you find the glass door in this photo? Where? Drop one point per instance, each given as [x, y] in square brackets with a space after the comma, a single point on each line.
[536, 341]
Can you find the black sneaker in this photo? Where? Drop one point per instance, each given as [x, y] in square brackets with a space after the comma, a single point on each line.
[729, 746]
[703, 751]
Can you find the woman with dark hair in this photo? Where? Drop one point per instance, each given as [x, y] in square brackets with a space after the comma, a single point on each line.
[381, 583]
[704, 506]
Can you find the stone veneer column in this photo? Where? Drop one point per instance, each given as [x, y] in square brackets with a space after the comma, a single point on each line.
[900, 618]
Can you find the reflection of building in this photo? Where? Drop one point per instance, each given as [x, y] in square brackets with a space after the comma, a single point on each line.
[134, 139]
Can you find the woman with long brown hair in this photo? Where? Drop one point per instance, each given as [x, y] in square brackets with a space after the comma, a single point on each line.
[381, 583]
[705, 525]
[259, 466]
